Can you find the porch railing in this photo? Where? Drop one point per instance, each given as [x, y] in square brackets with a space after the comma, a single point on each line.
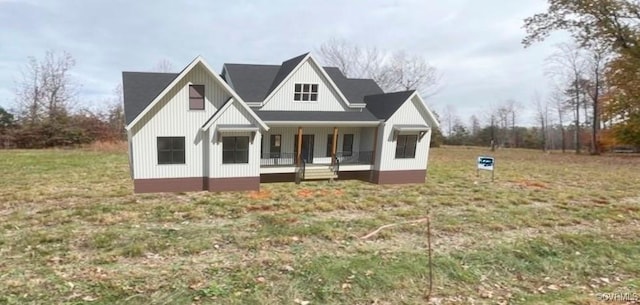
[278, 159]
[355, 157]
[289, 159]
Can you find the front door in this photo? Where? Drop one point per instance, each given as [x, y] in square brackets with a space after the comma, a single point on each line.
[307, 147]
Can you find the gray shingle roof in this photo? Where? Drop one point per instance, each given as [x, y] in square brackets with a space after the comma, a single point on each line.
[354, 89]
[385, 105]
[251, 82]
[285, 69]
[140, 89]
[316, 116]
[254, 82]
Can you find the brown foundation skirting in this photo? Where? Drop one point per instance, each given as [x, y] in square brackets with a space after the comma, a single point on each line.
[168, 185]
[399, 177]
[282, 177]
[355, 175]
[234, 184]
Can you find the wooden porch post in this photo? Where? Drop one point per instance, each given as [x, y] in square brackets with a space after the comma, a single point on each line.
[375, 145]
[334, 145]
[299, 156]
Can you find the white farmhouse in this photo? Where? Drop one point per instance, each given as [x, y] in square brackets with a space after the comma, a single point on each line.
[197, 130]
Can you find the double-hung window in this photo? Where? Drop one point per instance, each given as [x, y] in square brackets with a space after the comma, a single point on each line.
[170, 150]
[235, 150]
[406, 146]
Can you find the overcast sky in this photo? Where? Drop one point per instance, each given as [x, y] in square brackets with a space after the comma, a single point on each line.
[474, 44]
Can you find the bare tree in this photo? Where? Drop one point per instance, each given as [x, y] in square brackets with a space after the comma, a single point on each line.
[29, 93]
[567, 65]
[474, 124]
[557, 100]
[46, 90]
[598, 58]
[542, 116]
[164, 66]
[449, 118]
[393, 72]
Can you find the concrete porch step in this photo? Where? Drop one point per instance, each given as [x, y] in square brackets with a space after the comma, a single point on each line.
[319, 173]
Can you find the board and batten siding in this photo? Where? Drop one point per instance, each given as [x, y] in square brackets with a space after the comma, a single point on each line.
[386, 160]
[171, 117]
[320, 140]
[234, 115]
[308, 73]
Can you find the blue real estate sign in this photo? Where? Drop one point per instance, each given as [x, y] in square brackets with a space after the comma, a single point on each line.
[486, 163]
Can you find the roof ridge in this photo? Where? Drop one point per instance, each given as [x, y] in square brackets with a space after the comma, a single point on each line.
[395, 92]
[241, 64]
[147, 72]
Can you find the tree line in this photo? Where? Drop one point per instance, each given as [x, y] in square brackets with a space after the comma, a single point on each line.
[596, 80]
[47, 111]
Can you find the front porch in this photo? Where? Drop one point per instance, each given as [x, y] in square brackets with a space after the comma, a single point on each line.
[288, 149]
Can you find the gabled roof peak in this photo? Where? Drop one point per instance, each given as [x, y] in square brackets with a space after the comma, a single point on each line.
[285, 69]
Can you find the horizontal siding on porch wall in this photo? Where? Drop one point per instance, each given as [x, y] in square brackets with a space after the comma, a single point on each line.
[171, 117]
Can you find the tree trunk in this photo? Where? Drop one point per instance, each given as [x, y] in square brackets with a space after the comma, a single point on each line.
[595, 145]
[577, 136]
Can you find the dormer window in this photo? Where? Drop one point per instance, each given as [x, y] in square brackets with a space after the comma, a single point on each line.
[305, 92]
[196, 97]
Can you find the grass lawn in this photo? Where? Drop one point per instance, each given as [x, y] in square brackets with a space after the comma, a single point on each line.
[551, 229]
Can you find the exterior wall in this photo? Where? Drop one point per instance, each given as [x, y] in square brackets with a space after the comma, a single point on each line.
[399, 177]
[234, 115]
[320, 140]
[366, 138]
[328, 98]
[406, 114]
[172, 117]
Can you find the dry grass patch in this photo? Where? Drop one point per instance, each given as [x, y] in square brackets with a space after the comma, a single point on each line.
[543, 232]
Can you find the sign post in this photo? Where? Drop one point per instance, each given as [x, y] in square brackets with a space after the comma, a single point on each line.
[486, 163]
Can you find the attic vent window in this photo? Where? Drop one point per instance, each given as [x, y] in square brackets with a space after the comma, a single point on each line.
[196, 97]
[305, 92]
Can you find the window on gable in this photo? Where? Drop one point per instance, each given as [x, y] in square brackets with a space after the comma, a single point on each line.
[196, 97]
[406, 146]
[170, 150]
[305, 92]
[235, 150]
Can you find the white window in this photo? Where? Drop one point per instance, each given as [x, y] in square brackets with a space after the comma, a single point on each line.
[305, 92]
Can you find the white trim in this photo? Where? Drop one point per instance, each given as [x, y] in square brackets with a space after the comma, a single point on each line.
[236, 128]
[324, 74]
[292, 169]
[324, 123]
[277, 169]
[185, 71]
[434, 121]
